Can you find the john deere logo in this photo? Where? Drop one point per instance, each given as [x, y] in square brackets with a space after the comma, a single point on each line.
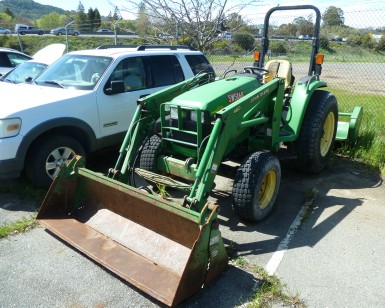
[232, 97]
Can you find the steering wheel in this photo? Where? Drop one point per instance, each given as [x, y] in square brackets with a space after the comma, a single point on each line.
[256, 70]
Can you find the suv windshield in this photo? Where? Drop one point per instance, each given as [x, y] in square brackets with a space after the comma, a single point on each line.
[74, 71]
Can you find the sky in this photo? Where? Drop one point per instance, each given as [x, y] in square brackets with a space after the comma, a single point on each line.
[358, 13]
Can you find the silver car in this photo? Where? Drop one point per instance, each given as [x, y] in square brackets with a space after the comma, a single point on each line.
[5, 31]
[62, 31]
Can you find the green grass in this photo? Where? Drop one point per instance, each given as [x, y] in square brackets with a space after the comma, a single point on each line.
[271, 291]
[369, 148]
[22, 188]
[18, 226]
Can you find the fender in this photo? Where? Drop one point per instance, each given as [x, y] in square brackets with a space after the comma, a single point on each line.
[302, 93]
[69, 126]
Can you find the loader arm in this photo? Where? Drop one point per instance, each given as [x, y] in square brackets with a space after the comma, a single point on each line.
[261, 106]
[146, 114]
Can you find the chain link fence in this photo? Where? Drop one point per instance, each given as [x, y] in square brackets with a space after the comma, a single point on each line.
[354, 65]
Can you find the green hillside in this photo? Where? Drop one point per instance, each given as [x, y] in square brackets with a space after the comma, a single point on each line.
[28, 9]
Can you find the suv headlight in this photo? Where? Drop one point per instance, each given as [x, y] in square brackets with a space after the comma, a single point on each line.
[9, 127]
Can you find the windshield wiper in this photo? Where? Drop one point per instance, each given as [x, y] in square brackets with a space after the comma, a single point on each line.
[9, 80]
[55, 83]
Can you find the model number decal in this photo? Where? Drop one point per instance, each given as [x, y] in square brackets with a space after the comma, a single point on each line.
[232, 97]
[253, 99]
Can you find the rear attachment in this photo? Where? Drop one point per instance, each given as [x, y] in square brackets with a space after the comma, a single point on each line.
[160, 247]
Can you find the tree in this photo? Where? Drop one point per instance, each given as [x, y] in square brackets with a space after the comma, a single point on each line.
[244, 40]
[51, 21]
[5, 19]
[290, 29]
[81, 18]
[97, 19]
[9, 13]
[142, 21]
[333, 16]
[198, 20]
[304, 26]
[94, 20]
[117, 15]
[381, 44]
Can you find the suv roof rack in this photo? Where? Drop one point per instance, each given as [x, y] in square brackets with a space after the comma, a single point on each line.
[145, 47]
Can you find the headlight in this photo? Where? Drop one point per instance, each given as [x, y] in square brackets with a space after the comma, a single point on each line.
[205, 116]
[194, 116]
[9, 127]
[173, 113]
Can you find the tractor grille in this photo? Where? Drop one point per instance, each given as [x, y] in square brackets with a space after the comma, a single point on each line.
[185, 126]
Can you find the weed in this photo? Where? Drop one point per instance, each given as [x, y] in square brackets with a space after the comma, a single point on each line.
[272, 291]
[23, 188]
[162, 191]
[269, 290]
[240, 262]
[18, 226]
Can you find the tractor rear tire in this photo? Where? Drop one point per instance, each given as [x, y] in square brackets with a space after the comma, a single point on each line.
[150, 153]
[256, 186]
[315, 143]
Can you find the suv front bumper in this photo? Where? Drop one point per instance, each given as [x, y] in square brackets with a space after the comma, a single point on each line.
[11, 164]
[10, 168]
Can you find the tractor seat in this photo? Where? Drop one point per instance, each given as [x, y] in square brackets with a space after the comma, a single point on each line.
[281, 69]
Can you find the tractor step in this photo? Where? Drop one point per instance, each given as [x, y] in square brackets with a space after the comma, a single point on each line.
[162, 179]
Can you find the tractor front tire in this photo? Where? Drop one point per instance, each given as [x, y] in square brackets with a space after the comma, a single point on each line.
[150, 153]
[256, 186]
[315, 143]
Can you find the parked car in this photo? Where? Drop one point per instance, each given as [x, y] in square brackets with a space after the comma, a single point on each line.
[28, 70]
[84, 102]
[304, 37]
[10, 58]
[105, 31]
[5, 31]
[24, 29]
[336, 39]
[62, 31]
[225, 35]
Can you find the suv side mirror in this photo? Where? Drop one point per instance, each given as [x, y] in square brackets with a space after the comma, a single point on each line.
[116, 87]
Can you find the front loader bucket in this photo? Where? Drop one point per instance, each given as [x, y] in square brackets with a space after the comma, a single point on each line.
[158, 246]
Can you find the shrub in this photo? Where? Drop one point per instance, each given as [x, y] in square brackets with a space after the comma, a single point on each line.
[324, 42]
[244, 40]
[277, 47]
[381, 44]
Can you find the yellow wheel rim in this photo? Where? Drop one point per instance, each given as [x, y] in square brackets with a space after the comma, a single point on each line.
[266, 193]
[328, 133]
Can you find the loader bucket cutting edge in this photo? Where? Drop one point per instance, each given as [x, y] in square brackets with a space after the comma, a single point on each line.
[157, 246]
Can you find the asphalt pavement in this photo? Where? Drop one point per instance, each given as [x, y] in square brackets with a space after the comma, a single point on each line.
[332, 257]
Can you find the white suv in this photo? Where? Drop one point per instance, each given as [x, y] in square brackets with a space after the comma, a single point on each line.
[82, 103]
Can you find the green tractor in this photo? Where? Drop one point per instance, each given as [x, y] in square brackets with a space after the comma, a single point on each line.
[178, 139]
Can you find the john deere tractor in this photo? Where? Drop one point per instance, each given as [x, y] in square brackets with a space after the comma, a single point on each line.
[178, 139]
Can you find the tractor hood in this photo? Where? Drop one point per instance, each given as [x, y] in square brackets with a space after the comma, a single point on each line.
[211, 97]
[16, 98]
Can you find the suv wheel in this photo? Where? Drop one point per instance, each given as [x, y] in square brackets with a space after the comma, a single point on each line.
[48, 155]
